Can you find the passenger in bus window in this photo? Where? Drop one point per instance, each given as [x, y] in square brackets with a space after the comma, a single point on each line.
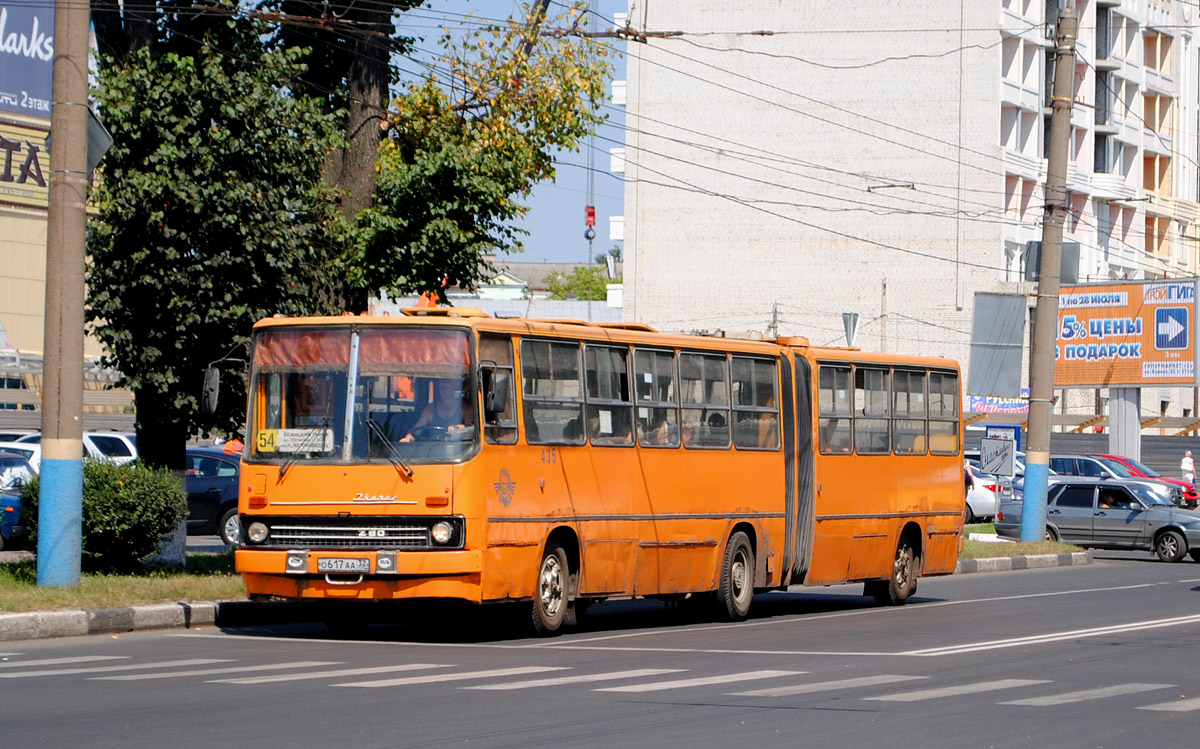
[444, 415]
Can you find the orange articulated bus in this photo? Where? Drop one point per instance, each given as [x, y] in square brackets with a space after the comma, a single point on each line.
[446, 454]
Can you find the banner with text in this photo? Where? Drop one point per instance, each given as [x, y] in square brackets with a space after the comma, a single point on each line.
[1127, 334]
[26, 57]
[24, 165]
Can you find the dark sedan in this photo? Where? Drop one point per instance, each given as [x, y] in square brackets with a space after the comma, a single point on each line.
[1112, 514]
[211, 481]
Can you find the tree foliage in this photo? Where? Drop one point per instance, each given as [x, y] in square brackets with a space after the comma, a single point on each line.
[586, 282]
[209, 207]
[467, 143]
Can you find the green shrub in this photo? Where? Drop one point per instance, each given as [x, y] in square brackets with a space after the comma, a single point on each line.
[127, 509]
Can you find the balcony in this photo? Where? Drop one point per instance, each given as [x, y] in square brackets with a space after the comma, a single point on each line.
[1159, 82]
[1111, 187]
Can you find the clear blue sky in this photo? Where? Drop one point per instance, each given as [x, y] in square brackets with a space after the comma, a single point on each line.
[556, 220]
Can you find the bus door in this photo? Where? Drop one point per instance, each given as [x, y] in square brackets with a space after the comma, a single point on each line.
[798, 442]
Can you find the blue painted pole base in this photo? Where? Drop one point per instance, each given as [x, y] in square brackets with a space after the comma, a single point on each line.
[1033, 506]
[60, 523]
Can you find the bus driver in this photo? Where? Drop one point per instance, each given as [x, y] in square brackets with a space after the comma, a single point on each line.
[444, 412]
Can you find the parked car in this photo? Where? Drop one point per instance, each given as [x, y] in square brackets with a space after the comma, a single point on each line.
[1104, 513]
[31, 452]
[1190, 498]
[12, 435]
[114, 446]
[983, 499]
[211, 482]
[14, 471]
[1090, 465]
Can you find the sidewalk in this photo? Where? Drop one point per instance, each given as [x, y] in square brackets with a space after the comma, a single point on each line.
[33, 625]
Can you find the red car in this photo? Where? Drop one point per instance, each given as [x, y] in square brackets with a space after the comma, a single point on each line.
[1190, 496]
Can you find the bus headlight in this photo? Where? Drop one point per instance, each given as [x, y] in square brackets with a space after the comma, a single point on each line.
[257, 532]
[442, 533]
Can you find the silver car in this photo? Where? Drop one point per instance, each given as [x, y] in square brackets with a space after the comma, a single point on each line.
[1112, 514]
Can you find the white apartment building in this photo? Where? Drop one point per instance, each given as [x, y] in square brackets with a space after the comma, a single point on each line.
[788, 162]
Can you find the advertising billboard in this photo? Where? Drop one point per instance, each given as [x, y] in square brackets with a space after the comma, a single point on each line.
[1127, 334]
[26, 57]
[24, 165]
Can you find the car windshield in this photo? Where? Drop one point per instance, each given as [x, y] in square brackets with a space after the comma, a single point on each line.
[1151, 494]
[374, 394]
[1116, 467]
[1142, 468]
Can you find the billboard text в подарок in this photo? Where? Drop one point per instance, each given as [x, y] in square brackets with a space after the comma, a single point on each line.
[1126, 334]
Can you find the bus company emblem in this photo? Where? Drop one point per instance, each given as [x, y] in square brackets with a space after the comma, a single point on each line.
[505, 488]
[364, 497]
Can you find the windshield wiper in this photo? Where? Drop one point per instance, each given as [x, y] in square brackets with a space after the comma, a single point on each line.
[394, 456]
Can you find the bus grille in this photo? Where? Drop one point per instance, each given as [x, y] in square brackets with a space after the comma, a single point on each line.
[375, 536]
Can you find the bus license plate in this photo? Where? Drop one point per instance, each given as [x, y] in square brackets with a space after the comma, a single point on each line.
[357, 565]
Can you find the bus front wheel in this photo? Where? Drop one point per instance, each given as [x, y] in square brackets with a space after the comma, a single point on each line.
[737, 579]
[550, 597]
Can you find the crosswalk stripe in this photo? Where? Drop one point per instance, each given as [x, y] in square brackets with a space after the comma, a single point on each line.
[454, 677]
[579, 679]
[62, 661]
[1089, 694]
[824, 686]
[126, 667]
[1177, 706]
[330, 674]
[983, 686]
[210, 671]
[700, 681]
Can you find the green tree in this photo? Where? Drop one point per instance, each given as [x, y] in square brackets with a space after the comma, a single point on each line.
[210, 215]
[587, 282]
[467, 144]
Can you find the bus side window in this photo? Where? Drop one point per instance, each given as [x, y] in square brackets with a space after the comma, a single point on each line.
[908, 412]
[498, 385]
[656, 393]
[835, 429]
[755, 413]
[553, 392]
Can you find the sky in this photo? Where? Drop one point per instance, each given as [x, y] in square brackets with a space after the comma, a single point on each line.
[556, 221]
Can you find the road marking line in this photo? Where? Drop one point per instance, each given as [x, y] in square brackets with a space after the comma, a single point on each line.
[61, 661]
[1054, 636]
[580, 679]
[1089, 694]
[210, 671]
[700, 681]
[931, 694]
[455, 677]
[1180, 706]
[823, 686]
[326, 674]
[127, 667]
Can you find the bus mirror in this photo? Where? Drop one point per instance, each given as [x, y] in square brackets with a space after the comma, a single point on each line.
[499, 386]
[212, 385]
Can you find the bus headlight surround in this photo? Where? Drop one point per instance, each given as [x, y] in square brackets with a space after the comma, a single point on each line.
[442, 533]
[257, 532]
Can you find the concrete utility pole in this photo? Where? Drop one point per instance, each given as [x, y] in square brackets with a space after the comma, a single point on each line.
[60, 492]
[1045, 331]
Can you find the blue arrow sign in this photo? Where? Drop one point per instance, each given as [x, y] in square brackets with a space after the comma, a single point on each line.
[1171, 328]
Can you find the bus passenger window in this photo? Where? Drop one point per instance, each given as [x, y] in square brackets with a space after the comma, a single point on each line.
[499, 398]
[871, 435]
[944, 413]
[656, 392]
[754, 396]
[835, 432]
[553, 392]
[908, 412]
[609, 406]
[704, 393]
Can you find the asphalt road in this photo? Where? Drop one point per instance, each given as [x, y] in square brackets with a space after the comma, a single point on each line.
[1094, 656]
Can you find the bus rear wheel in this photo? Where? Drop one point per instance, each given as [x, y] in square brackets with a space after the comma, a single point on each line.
[737, 579]
[550, 596]
[902, 583]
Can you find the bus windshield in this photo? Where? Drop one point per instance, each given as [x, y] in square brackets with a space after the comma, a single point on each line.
[376, 394]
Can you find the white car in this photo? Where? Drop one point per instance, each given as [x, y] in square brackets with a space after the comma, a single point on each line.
[983, 499]
[111, 446]
[32, 453]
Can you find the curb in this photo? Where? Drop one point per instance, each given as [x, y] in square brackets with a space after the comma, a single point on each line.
[36, 625]
[1030, 562]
